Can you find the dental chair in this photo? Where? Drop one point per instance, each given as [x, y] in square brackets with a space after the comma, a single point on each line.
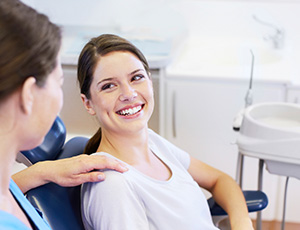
[60, 206]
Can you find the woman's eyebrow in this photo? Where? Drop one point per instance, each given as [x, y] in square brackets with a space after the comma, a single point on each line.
[111, 78]
[137, 70]
[104, 80]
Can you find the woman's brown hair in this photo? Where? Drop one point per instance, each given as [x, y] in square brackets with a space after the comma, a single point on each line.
[29, 45]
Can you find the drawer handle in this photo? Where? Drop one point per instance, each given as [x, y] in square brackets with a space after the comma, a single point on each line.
[174, 114]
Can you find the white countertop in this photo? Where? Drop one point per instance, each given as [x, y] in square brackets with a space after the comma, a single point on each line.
[231, 59]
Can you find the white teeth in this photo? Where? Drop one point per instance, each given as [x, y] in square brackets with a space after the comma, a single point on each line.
[131, 111]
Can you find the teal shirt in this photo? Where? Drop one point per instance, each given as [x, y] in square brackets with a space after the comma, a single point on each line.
[10, 222]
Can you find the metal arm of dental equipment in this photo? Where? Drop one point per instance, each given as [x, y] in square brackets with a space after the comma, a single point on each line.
[248, 99]
[277, 38]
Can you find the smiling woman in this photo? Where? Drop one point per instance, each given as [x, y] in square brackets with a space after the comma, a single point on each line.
[163, 181]
[116, 92]
[107, 83]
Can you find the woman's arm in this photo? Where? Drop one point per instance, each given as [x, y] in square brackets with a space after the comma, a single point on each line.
[225, 191]
[66, 172]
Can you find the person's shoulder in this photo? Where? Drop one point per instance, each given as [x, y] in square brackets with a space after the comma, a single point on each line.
[152, 133]
[155, 137]
[113, 181]
[157, 141]
[10, 222]
[111, 176]
[116, 187]
[114, 177]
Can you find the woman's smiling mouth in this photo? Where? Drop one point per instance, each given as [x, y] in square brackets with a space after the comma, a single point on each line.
[130, 111]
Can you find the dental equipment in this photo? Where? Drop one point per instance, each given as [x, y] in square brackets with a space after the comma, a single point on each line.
[271, 133]
[248, 99]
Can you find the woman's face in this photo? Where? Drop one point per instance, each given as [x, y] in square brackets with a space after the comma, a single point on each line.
[49, 101]
[121, 93]
[53, 92]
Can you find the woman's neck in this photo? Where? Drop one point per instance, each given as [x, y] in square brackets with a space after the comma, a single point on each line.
[134, 150]
[130, 147]
[9, 138]
[7, 158]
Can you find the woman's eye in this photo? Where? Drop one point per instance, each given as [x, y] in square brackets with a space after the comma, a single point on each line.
[107, 86]
[137, 77]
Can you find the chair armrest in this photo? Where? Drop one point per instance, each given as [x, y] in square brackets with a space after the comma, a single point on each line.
[255, 200]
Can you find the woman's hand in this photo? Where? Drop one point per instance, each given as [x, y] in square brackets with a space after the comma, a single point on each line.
[67, 172]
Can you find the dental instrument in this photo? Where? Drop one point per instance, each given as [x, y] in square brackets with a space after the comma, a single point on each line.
[248, 98]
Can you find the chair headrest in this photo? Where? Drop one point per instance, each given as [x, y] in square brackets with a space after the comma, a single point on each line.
[51, 146]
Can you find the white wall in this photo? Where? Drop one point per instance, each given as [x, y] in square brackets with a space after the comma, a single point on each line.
[221, 20]
[134, 16]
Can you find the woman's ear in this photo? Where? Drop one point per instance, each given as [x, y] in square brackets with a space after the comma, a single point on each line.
[87, 104]
[27, 95]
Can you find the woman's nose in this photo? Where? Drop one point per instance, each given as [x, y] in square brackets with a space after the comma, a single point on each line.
[127, 93]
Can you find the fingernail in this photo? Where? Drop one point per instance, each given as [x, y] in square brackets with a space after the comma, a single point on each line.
[124, 167]
[101, 177]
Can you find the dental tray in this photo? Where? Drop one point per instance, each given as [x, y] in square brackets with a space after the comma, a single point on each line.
[271, 131]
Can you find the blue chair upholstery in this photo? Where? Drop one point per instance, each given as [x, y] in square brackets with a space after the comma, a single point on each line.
[60, 206]
[51, 145]
[256, 201]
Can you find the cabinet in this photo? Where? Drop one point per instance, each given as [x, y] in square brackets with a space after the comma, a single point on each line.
[293, 94]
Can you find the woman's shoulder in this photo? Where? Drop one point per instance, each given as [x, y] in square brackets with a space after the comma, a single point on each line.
[155, 138]
[10, 222]
[158, 142]
[162, 146]
[113, 179]
[116, 187]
